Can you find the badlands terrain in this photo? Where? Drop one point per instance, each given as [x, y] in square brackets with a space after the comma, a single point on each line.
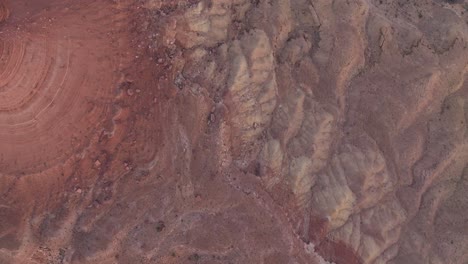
[234, 131]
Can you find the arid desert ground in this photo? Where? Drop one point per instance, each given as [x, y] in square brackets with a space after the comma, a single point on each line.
[233, 131]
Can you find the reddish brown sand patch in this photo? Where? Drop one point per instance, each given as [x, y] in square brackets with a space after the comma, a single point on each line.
[61, 65]
[338, 252]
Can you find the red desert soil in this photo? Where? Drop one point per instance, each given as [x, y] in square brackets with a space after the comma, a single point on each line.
[234, 131]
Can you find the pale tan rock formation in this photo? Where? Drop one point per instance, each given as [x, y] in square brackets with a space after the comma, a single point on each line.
[234, 131]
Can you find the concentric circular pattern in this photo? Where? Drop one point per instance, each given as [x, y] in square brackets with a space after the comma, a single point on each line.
[233, 131]
[58, 75]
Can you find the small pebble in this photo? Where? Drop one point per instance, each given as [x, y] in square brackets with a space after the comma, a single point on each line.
[212, 117]
[127, 166]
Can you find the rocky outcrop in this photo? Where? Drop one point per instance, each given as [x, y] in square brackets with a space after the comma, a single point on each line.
[233, 131]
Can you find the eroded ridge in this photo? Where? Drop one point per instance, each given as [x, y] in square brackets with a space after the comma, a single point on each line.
[233, 131]
[352, 85]
[4, 12]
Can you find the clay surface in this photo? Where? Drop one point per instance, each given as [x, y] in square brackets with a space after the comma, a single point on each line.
[234, 131]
